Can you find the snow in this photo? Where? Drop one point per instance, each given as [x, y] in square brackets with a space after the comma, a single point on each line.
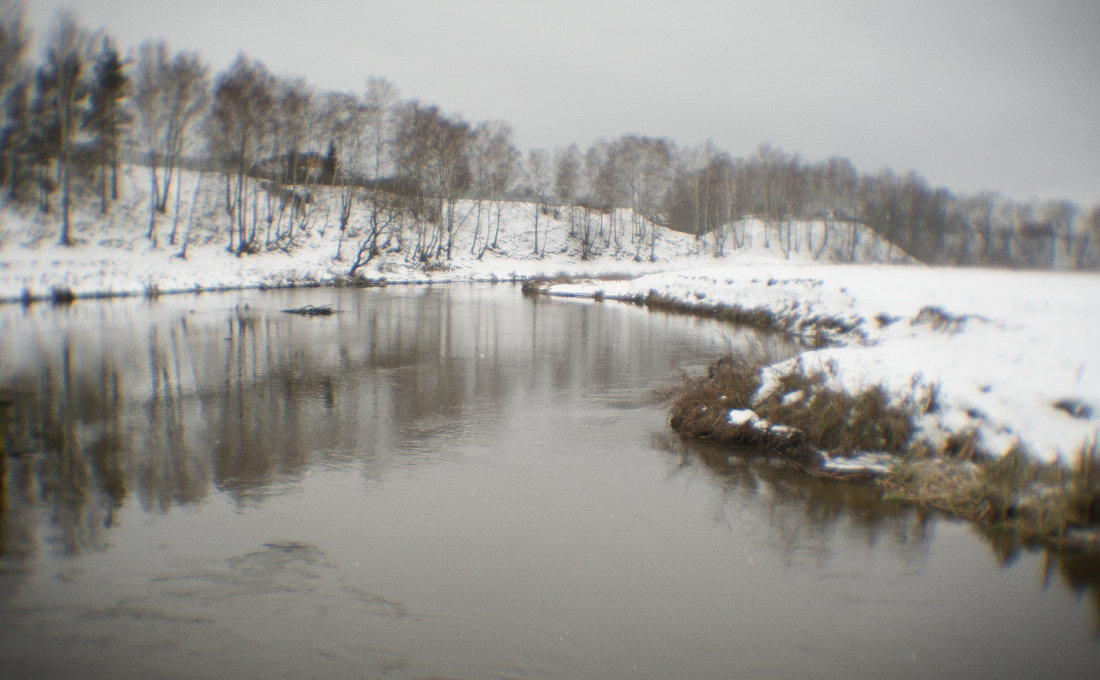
[1000, 348]
[741, 416]
[872, 463]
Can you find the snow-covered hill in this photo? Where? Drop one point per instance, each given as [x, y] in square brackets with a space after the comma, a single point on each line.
[113, 256]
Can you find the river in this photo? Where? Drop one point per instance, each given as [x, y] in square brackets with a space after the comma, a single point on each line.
[458, 482]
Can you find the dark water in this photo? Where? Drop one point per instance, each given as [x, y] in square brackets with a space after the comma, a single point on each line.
[456, 482]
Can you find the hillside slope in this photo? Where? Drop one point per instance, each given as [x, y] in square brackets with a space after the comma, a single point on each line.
[113, 256]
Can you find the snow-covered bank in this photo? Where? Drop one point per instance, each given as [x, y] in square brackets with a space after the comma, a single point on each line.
[1010, 353]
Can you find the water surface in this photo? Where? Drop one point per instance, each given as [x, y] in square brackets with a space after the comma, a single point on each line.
[456, 482]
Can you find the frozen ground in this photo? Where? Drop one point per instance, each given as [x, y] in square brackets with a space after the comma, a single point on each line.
[1003, 347]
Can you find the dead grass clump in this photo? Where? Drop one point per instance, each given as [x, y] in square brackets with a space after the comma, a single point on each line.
[799, 409]
[700, 407]
[800, 414]
[539, 284]
[1051, 503]
[434, 265]
[836, 422]
[758, 318]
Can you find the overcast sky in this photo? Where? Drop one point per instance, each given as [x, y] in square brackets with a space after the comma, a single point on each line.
[972, 94]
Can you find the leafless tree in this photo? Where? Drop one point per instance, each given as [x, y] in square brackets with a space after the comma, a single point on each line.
[346, 120]
[431, 154]
[1060, 216]
[490, 157]
[597, 195]
[380, 100]
[243, 97]
[384, 213]
[171, 96]
[538, 181]
[567, 171]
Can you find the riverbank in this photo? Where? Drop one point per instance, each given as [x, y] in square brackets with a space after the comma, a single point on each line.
[995, 370]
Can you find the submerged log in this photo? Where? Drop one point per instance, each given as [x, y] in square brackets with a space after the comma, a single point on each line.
[311, 310]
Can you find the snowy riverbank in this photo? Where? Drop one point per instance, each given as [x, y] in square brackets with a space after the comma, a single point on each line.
[1012, 354]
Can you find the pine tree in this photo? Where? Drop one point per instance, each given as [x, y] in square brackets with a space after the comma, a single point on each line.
[106, 118]
[328, 166]
[62, 76]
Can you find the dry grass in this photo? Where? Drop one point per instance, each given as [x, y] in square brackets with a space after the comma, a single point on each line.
[760, 319]
[826, 419]
[822, 419]
[811, 331]
[834, 421]
[1051, 503]
[539, 284]
[701, 405]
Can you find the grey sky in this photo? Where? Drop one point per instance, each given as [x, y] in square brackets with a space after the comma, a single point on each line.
[973, 94]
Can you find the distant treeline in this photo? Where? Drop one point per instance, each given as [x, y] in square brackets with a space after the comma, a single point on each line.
[72, 118]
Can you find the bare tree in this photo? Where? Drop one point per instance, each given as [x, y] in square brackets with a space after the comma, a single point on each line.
[1060, 216]
[380, 101]
[346, 120]
[171, 95]
[504, 165]
[384, 212]
[491, 157]
[243, 97]
[597, 195]
[567, 171]
[431, 154]
[538, 181]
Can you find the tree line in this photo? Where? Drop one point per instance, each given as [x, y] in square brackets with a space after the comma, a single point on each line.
[417, 174]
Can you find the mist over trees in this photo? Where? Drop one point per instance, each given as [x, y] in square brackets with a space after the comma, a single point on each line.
[406, 177]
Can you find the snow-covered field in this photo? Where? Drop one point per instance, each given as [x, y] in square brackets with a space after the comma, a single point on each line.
[1002, 347]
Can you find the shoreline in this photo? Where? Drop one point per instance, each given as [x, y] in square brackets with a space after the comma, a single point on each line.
[947, 463]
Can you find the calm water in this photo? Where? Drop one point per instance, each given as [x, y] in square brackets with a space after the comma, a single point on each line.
[456, 482]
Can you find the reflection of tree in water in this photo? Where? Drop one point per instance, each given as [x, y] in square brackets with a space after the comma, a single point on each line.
[1078, 571]
[62, 441]
[162, 405]
[806, 512]
[165, 410]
